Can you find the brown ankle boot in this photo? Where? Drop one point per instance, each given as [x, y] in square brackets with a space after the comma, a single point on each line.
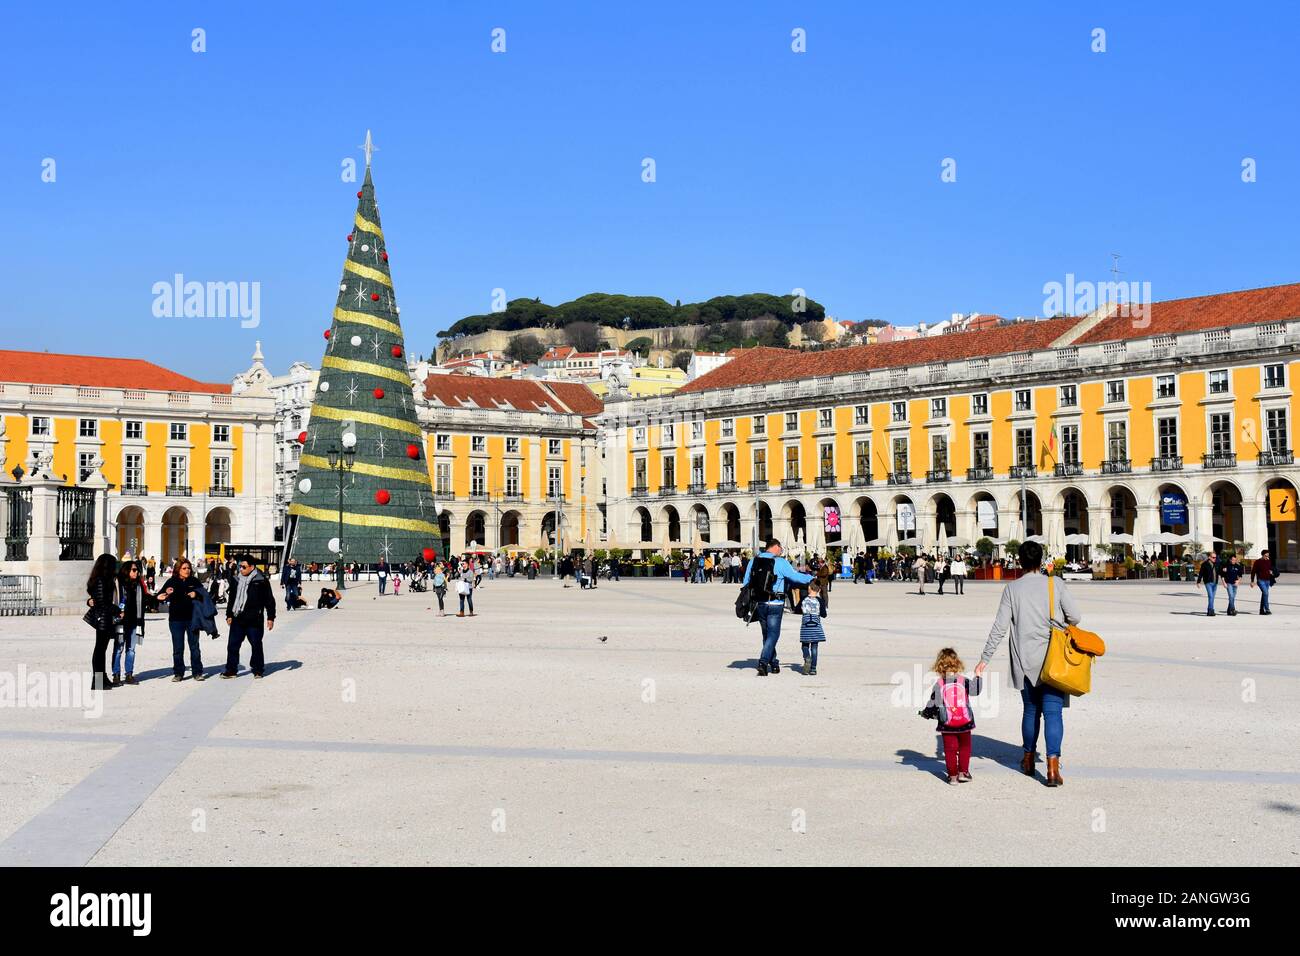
[1054, 772]
[1027, 762]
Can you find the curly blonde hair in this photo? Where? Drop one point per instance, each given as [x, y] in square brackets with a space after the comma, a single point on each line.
[947, 663]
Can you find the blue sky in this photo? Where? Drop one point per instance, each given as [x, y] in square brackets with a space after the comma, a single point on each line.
[522, 170]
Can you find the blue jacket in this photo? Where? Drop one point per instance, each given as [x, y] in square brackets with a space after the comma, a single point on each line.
[204, 617]
[784, 571]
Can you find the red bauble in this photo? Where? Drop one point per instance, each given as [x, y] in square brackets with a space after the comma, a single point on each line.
[349, 237]
[430, 554]
[374, 297]
[302, 438]
[379, 393]
[327, 333]
[358, 193]
[397, 351]
[385, 257]
[382, 497]
[412, 450]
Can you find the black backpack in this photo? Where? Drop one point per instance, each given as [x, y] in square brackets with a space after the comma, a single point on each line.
[762, 578]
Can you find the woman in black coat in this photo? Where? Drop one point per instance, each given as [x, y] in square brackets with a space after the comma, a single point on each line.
[103, 615]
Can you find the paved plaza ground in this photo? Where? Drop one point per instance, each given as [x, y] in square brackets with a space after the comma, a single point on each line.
[384, 734]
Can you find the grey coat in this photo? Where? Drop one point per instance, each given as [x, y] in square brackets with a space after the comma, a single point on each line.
[1023, 611]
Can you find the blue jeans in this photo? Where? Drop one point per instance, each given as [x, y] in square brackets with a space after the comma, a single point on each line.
[1210, 589]
[810, 651]
[769, 622]
[383, 583]
[291, 593]
[1263, 595]
[256, 660]
[1232, 596]
[180, 630]
[1047, 701]
[129, 641]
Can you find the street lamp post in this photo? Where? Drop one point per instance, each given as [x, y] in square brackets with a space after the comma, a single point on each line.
[340, 463]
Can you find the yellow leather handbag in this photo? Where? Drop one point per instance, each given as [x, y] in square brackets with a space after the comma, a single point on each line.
[1068, 665]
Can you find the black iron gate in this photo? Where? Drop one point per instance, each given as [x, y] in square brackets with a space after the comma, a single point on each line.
[76, 524]
[18, 503]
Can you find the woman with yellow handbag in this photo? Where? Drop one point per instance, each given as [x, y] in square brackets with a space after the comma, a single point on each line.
[1024, 612]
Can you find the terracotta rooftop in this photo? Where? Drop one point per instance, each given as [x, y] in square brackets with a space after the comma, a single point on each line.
[511, 394]
[577, 396]
[92, 371]
[1249, 307]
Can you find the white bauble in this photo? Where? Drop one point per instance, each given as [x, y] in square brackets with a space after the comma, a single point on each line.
[356, 340]
[332, 545]
[397, 308]
[324, 386]
[343, 287]
[365, 248]
[349, 439]
[305, 485]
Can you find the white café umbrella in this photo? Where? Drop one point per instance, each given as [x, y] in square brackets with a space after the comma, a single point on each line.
[943, 538]
[1077, 537]
[1037, 539]
[1122, 538]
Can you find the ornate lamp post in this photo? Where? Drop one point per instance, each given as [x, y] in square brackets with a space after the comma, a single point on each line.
[341, 464]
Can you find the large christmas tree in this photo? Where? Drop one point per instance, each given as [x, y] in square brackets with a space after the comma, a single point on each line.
[364, 402]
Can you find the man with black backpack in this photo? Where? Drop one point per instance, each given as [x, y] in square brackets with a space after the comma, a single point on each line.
[763, 591]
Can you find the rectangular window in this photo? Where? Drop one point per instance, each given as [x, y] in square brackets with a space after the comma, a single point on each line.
[862, 415]
[639, 472]
[1115, 392]
[760, 464]
[939, 452]
[88, 428]
[512, 446]
[638, 434]
[478, 480]
[1070, 444]
[554, 481]
[1024, 400]
[1275, 426]
[826, 461]
[760, 424]
[792, 421]
[669, 433]
[1274, 376]
[135, 429]
[938, 408]
[697, 470]
[1221, 433]
[442, 473]
[41, 427]
[792, 461]
[178, 471]
[728, 428]
[862, 458]
[553, 445]
[1069, 396]
[442, 442]
[1165, 386]
[980, 447]
[133, 471]
[295, 451]
[825, 418]
[478, 443]
[179, 431]
[85, 468]
[901, 466]
[221, 433]
[1167, 437]
[697, 431]
[979, 404]
[670, 472]
[1025, 447]
[1219, 382]
[898, 411]
[512, 479]
[221, 473]
[729, 467]
[1117, 441]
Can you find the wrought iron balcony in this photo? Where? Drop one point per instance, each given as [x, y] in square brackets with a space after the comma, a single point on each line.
[178, 491]
[1023, 471]
[900, 477]
[667, 490]
[1116, 466]
[1272, 459]
[640, 491]
[791, 484]
[979, 473]
[1221, 460]
[512, 497]
[697, 488]
[825, 481]
[758, 484]
[860, 481]
[221, 492]
[938, 475]
[1068, 469]
[726, 487]
[1167, 463]
[139, 490]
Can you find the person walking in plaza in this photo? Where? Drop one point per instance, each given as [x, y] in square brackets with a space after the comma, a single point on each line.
[1262, 576]
[945, 572]
[251, 599]
[777, 572]
[919, 568]
[381, 574]
[958, 571]
[1207, 576]
[1023, 612]
[811, 632]
[465, 591]
[291, 581]
[950, 703]
[102, 591]
[130, 628]
[181, 591]
[1232, 573]
[440, 589]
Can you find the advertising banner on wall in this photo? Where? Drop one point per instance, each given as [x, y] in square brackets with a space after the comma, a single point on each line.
[906, 516]
[832, 517]
[1173, 508]
[987, 512]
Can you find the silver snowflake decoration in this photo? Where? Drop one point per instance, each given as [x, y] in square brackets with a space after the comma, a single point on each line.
[352, 390]
[385, 549]
[381, 445]
[375, 345]
[361, 294]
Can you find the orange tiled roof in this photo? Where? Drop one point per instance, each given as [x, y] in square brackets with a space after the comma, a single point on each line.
[578, 397]
[93, 371]
[1249, 307]
[466, 391]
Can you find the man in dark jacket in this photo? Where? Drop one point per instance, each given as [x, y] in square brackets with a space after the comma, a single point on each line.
[1232, 573]
[291, 581]
[1263, 575]
[1208, 577]
[250, 598]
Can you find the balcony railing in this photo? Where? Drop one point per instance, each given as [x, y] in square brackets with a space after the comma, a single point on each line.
[697, 488]
[178, 491]
[1067, 469]
[1272, 459]
[860, 481]
[1221, 460]
[667, 490]
[900, 477]
[221, 492]
[825, 481]
[139, 490]
[726, 487]
[512, 497]
[1167, 463]
[758, 484]
[1116, 466]
[938, 475]
[1023, 471]
[791, 484]
[640, 491]
[979, 473]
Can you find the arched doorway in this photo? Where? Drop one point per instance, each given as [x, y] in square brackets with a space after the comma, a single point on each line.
[907, 525]
[130, 531]
[796, 519]
[548, 529]
[985, 509]
[476, 530]
[1074, 520]
[175, 534]
[1030, 519]
[732, 515]
[643, 525]
[701, 526]
[672, 523]
[831, 528]
[216, 530]
[765, 529]
[868, 522]
[945, 517]
[1226, 522]
[444, 531]
[509, 530]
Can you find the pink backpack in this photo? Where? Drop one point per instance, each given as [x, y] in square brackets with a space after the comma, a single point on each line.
[955, 702]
